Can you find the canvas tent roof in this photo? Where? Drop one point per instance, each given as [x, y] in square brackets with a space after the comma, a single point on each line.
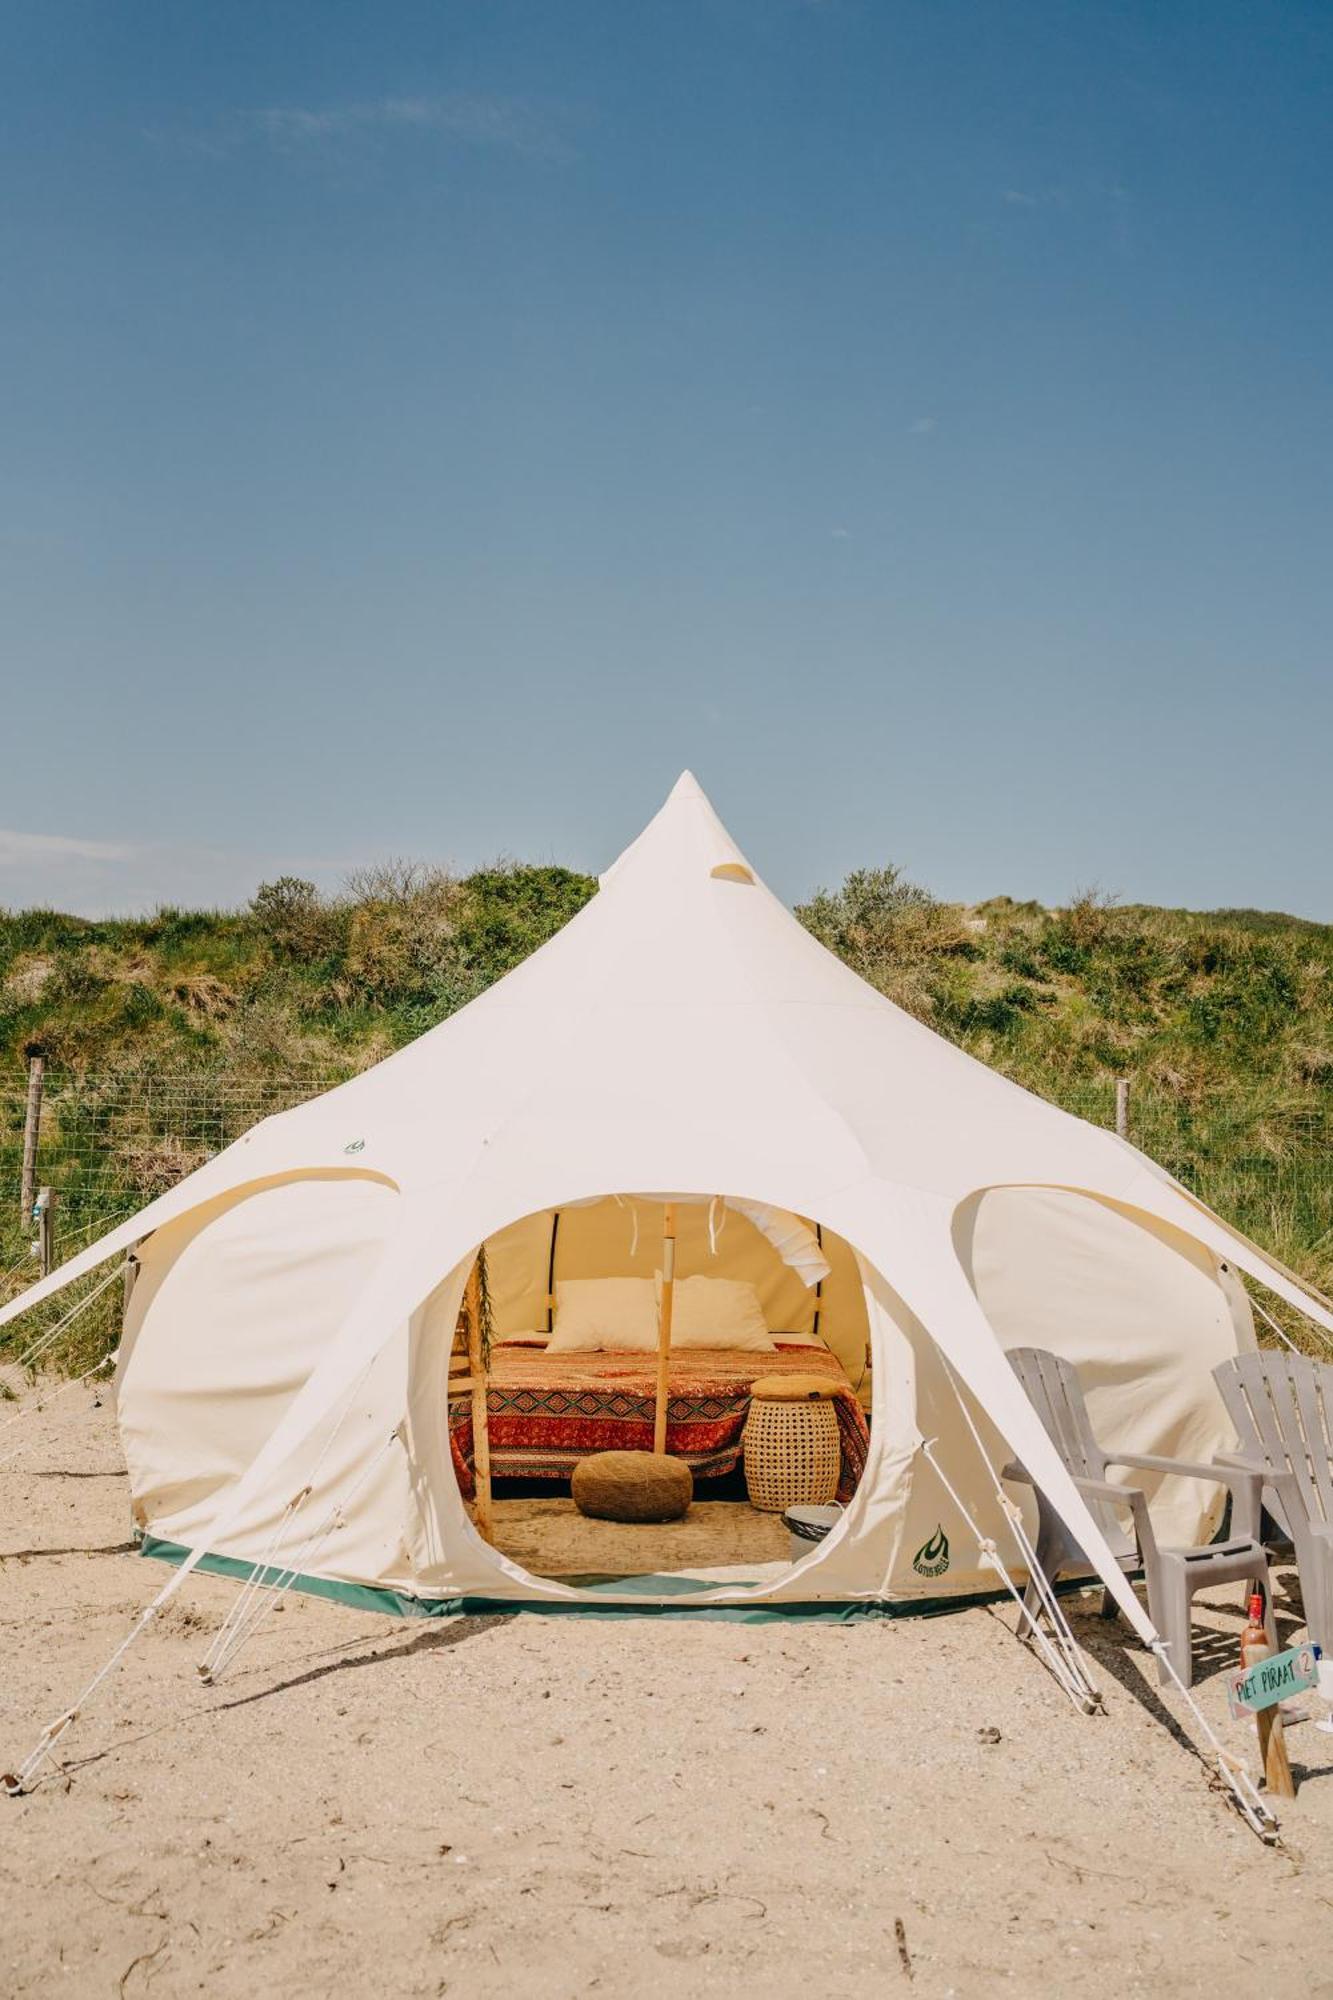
[684, 1032]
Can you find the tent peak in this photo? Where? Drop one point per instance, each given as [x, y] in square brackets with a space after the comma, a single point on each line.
[685, 823]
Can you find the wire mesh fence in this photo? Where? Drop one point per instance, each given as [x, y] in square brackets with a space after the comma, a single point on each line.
[108, 1142]
[117, 1139]
[1263, 1159]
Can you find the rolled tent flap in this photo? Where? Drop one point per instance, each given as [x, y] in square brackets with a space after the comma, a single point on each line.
[909, 1234]
[794, 1241]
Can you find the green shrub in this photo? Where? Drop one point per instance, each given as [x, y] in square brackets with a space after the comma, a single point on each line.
[297, 922]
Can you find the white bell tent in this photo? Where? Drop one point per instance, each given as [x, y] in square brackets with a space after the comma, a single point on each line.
[282, 1381]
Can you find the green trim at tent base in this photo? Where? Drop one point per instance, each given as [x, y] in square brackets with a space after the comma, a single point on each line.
[402, 1604]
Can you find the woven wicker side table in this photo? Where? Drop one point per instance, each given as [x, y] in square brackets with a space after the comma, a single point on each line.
[793, 1452]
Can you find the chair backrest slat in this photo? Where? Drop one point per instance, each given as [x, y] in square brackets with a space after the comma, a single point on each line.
[1065, 1414]
[1282, 1407]
[1314, 1394]
[1234, 1386]
[1272, 1437]
[1054, 1390]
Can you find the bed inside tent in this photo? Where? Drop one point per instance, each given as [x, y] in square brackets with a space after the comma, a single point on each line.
[632, 1323]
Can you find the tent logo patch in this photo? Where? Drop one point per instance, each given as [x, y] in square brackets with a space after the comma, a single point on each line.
[355, 1146]
[932, 1558]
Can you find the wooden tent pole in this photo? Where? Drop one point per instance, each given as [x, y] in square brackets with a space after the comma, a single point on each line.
[664, 1326]
[481, 1437]
[550, 1273]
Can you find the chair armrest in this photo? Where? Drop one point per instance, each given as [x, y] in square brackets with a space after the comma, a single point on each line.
[1132, 1497]
[1091, 1489]
[1106, 1489]
[1288, 1489]
[1186, 1467]
[1244, 1483]
[1136, 1500]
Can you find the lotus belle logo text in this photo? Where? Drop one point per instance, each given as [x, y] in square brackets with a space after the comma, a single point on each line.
[932, 1558]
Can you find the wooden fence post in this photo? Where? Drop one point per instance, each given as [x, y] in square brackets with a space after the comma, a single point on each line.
[1122, 1106]
[32, 1121]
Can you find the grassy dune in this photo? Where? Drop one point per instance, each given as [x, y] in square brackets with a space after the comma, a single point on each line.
[166, 1036]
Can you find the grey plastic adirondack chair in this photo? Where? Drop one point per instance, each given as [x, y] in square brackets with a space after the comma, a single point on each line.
[1282, 1407]
[1172, 1575]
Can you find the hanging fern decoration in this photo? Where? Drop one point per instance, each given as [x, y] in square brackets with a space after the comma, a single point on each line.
[485, 1328]
[485, 1316]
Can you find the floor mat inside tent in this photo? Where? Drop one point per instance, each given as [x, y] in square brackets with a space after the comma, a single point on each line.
[551, 1538]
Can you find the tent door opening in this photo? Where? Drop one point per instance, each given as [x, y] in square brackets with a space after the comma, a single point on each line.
[725, 1336]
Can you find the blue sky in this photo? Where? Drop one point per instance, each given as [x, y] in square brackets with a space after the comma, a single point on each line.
[429, 427]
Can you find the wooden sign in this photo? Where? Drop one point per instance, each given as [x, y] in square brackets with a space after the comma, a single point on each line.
[1272, 1680]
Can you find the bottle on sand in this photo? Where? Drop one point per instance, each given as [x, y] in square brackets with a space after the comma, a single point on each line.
[1254, 1644]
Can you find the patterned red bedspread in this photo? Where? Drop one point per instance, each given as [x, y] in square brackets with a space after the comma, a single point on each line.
[547, 1411]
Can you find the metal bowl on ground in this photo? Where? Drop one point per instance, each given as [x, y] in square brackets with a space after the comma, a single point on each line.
[807, 1525]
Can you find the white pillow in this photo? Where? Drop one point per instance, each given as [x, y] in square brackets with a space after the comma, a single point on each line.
[791, 1338]
[594, 1314]
[717, 1312]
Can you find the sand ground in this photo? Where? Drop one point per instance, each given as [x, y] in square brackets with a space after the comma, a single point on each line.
[557, 1806]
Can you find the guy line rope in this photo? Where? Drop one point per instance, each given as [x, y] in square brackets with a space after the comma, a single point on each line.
[42, 1344]
[249, 1608]
[48, 1339]
[16, 1783]
[99, 1226]
[1283, 1335]
[1230, 1773]
[44, 1402]
[14, 1269]
[253, 1606]
[1075, 1665]
[1074, 1683]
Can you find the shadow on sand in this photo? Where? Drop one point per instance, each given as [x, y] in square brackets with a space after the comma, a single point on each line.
[100, 1549]
[435, 1639]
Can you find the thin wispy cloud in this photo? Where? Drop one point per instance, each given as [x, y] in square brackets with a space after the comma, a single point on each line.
[103, 877]
[22, 850]
[508, 124]
[922, 426]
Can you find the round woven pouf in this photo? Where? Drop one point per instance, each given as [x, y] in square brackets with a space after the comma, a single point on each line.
[632, 1486]
[793, 1453]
